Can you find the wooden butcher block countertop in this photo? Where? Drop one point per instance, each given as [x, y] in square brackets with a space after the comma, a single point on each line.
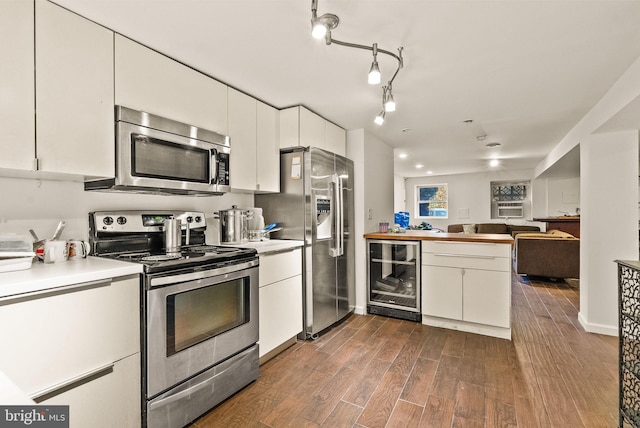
[425, 235]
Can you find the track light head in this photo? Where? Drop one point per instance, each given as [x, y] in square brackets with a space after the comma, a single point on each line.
[374, 73]
[322, 25]
[389, 103]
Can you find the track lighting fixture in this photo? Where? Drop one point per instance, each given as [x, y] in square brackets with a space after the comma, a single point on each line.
[379, 120]
[389, 102]
[374, 71]
[321, 27]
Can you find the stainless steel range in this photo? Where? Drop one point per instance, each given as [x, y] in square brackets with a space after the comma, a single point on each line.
[199, 312]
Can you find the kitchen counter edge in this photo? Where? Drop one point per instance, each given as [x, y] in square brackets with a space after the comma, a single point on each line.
[270, 245]
[46, 276]
[424, 235]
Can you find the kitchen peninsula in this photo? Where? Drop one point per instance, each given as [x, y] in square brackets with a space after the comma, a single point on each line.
[465, 280]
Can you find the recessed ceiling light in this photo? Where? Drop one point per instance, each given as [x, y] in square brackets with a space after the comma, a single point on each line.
[402, 155]
[419, 166]
[494, 144]
[494, 163]
[429, 172]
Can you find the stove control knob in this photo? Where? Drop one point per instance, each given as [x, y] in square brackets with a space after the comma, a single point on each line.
[121, 220]
[108, 220]
[189, 219]
[198, 219]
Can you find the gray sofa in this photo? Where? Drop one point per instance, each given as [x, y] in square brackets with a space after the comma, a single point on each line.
[554, 254]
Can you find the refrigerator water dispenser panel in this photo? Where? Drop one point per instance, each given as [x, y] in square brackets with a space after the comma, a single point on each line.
[323, 217]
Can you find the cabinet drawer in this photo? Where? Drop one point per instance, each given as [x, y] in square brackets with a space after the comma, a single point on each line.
[467, 248]
[66, 333]
[278, 266]
[111, 400]
[467, 261]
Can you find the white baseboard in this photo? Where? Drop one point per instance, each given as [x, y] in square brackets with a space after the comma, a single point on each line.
[597, 328]
[486, 330]
[360, 310]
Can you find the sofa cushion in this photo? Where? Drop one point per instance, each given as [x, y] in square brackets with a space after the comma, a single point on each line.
[516, 229]
[454, 228]
[491, 228]
[560, 234]
[469, 228]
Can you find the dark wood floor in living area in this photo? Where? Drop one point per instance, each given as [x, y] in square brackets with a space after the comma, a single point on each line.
[372, 371]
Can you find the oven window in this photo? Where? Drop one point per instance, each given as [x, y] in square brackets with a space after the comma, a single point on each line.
[156, 158]
[196, 315]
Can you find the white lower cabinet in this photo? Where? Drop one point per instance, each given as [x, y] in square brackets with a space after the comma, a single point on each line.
[77, 345]
[106, 400]
[280, 301]
[467, 286]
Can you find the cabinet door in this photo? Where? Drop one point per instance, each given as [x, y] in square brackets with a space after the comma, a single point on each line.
[312, 129]
[487, 297]
[280, 313]
[336, 139]
[442, 292]
[17, 124]
[74, 93]
[289, 127]
[242, 134]
[149, 81]
[111, 400]
[268, 150]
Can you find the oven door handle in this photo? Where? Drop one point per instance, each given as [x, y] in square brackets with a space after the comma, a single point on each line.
[192, 276]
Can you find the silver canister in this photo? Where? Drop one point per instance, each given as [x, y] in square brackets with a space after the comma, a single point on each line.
[172, 235]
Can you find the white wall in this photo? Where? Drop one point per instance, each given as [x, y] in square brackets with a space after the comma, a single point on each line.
[563, 195]
[608, 223]
[470, 192]
[374, 200]
[41, 204]
[555, 196]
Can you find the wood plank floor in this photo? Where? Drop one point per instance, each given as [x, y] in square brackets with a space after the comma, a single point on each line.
[372, 371]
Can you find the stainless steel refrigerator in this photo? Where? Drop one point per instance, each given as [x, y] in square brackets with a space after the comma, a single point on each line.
[315, 204]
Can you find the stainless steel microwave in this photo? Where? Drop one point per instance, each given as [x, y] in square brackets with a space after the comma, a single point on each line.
[163, 156]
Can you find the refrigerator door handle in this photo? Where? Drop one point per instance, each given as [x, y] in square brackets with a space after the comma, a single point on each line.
[338, 227]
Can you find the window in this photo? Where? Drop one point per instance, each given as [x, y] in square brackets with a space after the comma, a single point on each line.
[509, 199]
[432, 201]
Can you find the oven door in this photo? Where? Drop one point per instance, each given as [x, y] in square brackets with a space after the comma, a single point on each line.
[198, 319]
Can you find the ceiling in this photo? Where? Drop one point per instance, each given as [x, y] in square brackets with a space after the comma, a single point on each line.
[524, 71]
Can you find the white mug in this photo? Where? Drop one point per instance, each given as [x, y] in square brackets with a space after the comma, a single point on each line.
[55, 251]
[77, 249]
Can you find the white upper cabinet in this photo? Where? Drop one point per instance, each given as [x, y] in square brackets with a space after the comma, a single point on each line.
[301, 127]
[335, 139]
[242, 134]
[255, 154]
[267, 149]
[149, 81]
[312, 129]
[17, 111]
[74, 93]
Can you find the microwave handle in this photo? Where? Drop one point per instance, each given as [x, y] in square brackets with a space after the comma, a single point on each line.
[213, 166]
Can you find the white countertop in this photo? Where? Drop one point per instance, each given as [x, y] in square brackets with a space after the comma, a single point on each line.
[269, 245]
[43, 276]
